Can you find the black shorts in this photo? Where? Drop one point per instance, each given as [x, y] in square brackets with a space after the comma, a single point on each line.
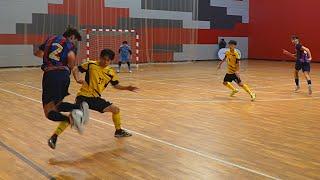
[95, 103]
[232, 77]
[305, 66]
[55, 85]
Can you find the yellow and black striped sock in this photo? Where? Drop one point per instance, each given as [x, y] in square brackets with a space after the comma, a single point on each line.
[247, 89]
[229, 85]
[62, 126]
[116, 121]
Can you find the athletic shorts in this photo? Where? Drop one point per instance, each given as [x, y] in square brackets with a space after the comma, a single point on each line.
[304, 66]
[124, 59]
[232, 77]
[95, 103]
[55, 85]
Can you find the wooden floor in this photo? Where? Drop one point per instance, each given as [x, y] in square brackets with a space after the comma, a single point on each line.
[184, 123]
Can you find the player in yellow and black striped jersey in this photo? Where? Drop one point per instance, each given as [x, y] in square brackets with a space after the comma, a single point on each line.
[233, 66]
[98, 75]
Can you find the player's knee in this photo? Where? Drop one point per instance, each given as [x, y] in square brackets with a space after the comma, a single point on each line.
[47, 109]
[115, 110]
[225, 83]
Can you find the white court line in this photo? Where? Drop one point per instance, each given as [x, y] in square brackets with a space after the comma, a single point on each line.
[197, 101]
[168, 143]
[186, 86]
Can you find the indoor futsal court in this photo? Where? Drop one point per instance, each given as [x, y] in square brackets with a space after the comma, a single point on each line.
[159, 89]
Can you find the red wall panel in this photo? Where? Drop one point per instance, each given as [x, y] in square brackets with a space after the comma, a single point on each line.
[90, 12]
[273, 22]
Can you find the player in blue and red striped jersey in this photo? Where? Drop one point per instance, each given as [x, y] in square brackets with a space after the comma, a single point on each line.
[303, 58]
[59, 57]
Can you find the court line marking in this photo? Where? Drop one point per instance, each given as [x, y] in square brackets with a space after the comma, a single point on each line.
[197, 101]
[221, 161]
[26, 160]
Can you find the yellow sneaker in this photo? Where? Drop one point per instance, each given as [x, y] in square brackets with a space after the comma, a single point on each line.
[234, 92]
[253, 96]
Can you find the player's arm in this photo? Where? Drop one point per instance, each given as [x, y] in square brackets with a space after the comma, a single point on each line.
[287, 53]
[76, 75]
[73, 67]
[115, 83]
[80, 69]
[128, 88]
[308, 51]
[221, 62]
[130, 52]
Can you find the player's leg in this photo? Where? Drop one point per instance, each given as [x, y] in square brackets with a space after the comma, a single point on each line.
[129, 66]
[117, 121]
[101, 105]
[227, 82]
[67, 107]
[51, 112]
[245, 87]
[298, 67]
[119, 66]
[55, 85]
[55, 88]
[306, 71]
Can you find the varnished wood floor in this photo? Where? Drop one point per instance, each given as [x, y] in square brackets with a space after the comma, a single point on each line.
[185, 127]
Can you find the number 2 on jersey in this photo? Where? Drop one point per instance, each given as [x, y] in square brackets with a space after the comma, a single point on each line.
[55, 54]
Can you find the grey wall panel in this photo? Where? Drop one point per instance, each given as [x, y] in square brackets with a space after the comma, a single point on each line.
[55, 1]
[217, 16]
[18, 55]
[47, 24]
[135, 11]
[167, 48]
[19, 11]
[138, 23]
[209, 51]
[197, 52]
[240, 8]
[169, 5]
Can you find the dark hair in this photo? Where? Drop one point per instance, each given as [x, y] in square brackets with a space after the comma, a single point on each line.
[72, 31]
[293, 37]
[233, 42]
[222, 39]
[107, 52]
[125, 42]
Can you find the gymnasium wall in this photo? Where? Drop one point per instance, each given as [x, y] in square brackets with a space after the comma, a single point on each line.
[170, 30]
[272, 24]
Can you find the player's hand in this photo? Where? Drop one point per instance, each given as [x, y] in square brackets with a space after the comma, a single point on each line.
[80, 81]
[132, 88]
[286, 52]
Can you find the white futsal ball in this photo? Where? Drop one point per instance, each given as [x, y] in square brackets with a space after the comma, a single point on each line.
[77, 116]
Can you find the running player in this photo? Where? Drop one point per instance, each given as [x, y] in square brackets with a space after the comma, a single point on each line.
[303, 58]
[125, 55]
[232, 57]
[98, 74]
[58, 53]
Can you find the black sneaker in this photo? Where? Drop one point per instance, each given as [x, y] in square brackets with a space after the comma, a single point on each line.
[122, 133]
[52, 141]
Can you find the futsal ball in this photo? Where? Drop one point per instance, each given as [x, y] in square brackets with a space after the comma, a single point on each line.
[77, 116]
